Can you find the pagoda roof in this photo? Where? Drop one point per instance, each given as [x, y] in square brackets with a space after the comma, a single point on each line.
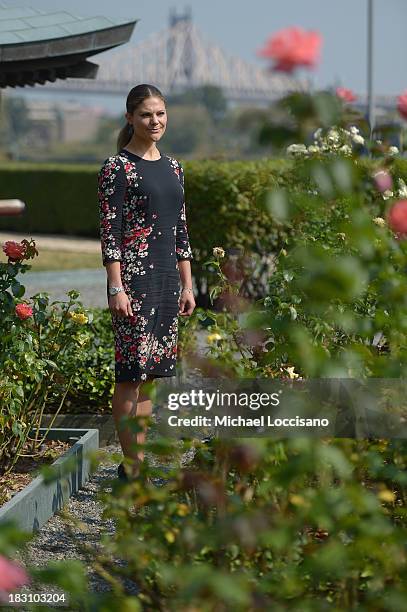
[38, 46]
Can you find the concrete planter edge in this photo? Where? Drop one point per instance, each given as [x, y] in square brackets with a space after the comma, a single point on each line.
[31, 507]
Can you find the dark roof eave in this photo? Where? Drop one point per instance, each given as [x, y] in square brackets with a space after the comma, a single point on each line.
[40, 76]
[89, 43]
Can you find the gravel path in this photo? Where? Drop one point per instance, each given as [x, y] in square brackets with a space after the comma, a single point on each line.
[91, 284]
[53, 542]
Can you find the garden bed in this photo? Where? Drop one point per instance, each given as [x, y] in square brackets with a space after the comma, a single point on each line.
[26, 468]
[32, 506]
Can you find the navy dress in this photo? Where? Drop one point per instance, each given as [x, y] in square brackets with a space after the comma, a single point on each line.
[143, 226]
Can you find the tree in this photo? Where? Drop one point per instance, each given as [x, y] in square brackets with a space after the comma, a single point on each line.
[209, 96]
[16, 123]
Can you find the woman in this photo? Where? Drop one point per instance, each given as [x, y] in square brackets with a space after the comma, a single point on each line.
[146, 252]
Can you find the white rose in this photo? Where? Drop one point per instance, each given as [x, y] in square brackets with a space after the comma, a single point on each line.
[218, 252]
[333, 135]
[358, 139]
[354, 130]
[297, 149]
[393, 151]
[313, 149]
[387, 194]
[379, 221]
[402, 191]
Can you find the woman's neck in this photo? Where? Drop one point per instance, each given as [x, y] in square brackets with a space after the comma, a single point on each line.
[142, 149]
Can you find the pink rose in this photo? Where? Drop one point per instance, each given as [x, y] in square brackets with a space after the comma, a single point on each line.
[383, 181]
[402, 104]
[14, 250]
[397, 218]
[346, 95]
[291, 48]
[12, 576]
[23, 311]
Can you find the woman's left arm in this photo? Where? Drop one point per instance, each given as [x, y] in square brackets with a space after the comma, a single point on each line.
[184, 257]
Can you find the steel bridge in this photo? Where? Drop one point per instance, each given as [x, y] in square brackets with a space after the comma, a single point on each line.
[179, 58]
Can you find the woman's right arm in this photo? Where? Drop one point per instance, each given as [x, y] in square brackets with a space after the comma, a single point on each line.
[111, 194]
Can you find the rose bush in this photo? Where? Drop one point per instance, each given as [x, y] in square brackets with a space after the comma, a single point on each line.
[42, 347]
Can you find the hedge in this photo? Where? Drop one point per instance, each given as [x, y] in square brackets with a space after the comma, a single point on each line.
[222, 202]
[61, 199]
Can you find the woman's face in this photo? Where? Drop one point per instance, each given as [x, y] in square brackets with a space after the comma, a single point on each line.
[149, 120]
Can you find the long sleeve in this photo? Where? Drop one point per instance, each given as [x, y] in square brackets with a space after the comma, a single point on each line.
[111, 193]
[183, 248]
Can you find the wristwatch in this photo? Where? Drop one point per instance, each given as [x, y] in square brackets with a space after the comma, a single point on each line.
[115, 290]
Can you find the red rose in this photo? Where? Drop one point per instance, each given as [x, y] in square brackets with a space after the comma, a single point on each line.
[12, 576]
[14, 250]
[402, 104]
[291, 48]
[397, 217]
[23, 311]
[345, 94]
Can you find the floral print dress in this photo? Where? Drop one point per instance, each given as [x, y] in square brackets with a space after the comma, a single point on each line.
[143, 226]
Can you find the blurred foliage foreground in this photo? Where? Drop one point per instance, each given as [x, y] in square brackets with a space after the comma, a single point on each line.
[266, 524]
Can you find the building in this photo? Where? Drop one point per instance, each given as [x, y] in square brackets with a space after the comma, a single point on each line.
[38, 47]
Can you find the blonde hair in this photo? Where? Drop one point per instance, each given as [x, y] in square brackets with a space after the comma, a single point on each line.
[136, 96]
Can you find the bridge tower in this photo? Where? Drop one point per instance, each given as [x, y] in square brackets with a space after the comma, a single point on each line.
[181, 60]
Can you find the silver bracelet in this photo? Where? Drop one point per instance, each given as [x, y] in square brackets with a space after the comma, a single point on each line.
[187, 289]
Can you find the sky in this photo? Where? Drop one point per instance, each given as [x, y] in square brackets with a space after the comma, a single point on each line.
[241, 27]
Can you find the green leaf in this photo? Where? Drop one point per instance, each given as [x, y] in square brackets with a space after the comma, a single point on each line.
[322, 178]
[293, 313]
[17, 289]
[276, 203]
[342, 174]
[327, 107]
[277, 135]
[68, 575]
[17, 429]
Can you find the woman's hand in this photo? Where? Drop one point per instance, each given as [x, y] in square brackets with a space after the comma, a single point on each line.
[187, 303]
[119, 305]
